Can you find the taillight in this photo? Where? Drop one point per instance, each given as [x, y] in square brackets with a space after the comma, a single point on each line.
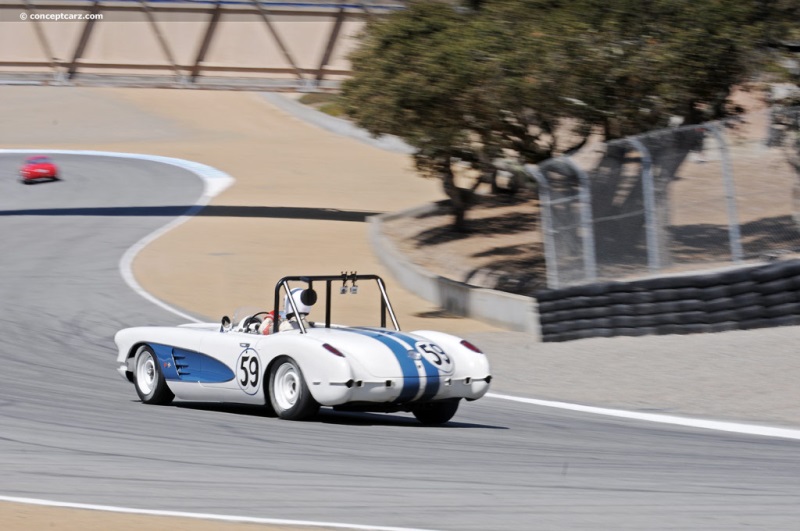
[470, 346]
[332, 350]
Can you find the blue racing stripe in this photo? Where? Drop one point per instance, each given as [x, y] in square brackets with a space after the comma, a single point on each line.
[407, 365]
[432, 381]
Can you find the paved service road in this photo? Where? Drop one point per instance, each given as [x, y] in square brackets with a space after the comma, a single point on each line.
[72, 430]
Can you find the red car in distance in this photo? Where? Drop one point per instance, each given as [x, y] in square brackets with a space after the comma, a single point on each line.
[38, 168]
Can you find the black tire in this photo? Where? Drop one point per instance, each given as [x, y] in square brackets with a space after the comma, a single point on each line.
[664, 295]
[725, 326]
[692, 318]
[772, 272]
[545, 296]
[549, 317]
[749, 313]
[736, 276]
[592, 312]
[583, 334]
[786, 320]
[751, 324]
[433, 413]
[639, 297]
[691, 305]
[715, 292]
[782, 310]
[722, 316]
[555, 328]
[786, 297]
[623, 321]
[648, 320]
[695, 328]
[668, 329]
[743, 288]
[546, 307]
[620, 309]
[672, 282]
[148, 379]
[718, 305]
[288, 391]
[746, 299]
[781, 285]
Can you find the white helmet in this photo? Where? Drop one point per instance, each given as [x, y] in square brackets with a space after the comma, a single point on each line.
[304, 299]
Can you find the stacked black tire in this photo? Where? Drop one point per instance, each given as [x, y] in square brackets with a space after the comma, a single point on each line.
[740, 299]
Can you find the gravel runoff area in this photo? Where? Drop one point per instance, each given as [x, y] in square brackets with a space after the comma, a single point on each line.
[745, 376]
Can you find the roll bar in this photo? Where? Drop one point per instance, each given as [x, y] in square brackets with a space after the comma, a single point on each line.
[344, 278]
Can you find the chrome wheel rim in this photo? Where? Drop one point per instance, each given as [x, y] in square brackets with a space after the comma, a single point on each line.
[146, 373]
[286, 386]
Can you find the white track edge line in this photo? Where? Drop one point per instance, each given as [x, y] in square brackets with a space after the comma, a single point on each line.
[734, 427]
[203, 516]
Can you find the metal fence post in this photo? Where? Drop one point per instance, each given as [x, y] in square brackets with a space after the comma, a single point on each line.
[550, 258]
[587, 227]
[734, 233]
[648, 189]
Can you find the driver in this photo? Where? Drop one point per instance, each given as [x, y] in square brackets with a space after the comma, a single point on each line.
[266, 325]
[303, 299]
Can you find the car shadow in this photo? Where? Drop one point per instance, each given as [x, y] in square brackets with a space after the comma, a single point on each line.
[41, 181]
[354, 418]
[232, 409]
[339, 418]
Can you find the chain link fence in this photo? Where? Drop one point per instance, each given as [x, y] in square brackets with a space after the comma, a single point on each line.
[675, 200]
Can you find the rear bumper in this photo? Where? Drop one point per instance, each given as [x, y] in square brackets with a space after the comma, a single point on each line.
[400, 391]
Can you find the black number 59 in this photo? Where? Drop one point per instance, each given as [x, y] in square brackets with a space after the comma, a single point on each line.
[249, 371]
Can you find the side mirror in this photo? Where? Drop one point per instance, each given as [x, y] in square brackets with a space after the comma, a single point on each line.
[225, 325]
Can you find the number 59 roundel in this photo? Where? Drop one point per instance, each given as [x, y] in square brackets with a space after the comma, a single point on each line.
[249, 371]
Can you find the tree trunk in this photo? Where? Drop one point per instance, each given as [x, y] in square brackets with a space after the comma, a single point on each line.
[458, 197]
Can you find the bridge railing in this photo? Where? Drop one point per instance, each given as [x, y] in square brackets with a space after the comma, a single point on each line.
[229, 44]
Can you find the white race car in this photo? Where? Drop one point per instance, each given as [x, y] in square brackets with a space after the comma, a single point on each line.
[292, 366]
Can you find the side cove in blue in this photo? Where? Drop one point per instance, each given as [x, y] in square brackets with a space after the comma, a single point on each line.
[190, 366]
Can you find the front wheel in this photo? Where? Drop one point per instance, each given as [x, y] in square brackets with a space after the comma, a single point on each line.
[436, 412]
[288, 391]
[149, 380]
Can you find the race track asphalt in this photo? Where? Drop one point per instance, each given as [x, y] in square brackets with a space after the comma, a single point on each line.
[73, 430]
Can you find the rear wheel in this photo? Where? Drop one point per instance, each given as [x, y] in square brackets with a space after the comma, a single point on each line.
[433, 413]
[149, 380]
[288, 391]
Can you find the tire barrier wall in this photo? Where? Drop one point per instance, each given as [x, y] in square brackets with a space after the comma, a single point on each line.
[739, 299]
